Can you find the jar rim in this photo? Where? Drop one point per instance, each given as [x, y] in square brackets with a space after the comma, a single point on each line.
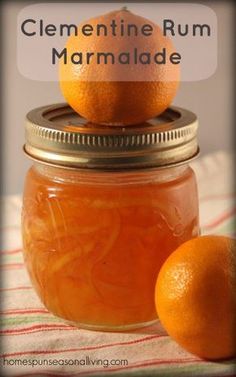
[56, 135]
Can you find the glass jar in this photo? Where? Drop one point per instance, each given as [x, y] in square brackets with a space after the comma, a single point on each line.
[103, 208]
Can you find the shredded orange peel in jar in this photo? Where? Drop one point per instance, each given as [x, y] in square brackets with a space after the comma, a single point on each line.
[94, 251]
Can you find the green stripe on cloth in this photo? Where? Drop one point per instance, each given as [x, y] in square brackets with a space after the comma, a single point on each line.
[30, 319]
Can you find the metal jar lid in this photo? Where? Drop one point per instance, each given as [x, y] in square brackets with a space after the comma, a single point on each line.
[57, 135]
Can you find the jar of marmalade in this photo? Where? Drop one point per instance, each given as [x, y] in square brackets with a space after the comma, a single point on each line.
[103, 208]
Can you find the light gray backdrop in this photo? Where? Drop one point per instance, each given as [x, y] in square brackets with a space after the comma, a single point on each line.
[211, 99]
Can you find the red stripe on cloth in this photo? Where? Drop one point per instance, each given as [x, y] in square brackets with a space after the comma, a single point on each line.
[224, 216]
[15, 251]
[11, 266]
[40, 330]
[11, 331]
[33, 352]
[24, 311]
[15, 289]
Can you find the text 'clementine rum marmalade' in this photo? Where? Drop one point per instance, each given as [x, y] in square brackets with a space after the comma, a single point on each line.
[103, 209]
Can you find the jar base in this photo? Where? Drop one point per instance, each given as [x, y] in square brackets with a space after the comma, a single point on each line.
[119, 328]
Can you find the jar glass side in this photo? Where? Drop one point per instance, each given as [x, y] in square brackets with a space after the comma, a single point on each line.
[94, 242]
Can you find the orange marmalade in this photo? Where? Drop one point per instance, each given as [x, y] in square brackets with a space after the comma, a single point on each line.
[95, 240]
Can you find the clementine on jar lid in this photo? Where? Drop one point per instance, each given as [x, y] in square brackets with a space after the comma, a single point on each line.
[118, 94]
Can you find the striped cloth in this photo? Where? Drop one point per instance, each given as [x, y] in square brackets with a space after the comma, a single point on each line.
[35, 343]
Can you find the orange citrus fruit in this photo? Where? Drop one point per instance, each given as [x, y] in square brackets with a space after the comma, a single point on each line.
[118, 94]
[195, 296]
